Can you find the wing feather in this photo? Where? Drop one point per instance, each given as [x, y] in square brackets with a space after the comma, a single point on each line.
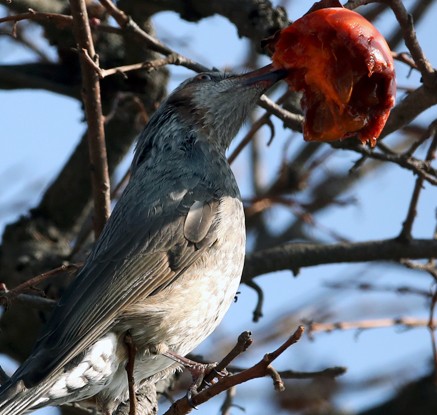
[141, 251]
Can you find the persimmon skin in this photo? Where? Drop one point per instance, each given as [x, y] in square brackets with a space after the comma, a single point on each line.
[344, 67]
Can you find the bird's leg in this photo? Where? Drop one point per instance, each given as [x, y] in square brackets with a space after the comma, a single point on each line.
[131, 352]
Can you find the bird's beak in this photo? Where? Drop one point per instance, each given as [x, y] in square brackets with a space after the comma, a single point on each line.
[265, 77]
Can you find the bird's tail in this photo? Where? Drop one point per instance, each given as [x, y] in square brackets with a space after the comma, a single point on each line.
[16, 399]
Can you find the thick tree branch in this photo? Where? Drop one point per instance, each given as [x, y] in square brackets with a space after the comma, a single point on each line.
[254, 19]
[94, 115]
[420, 395]
[51, 77]
[293, 256]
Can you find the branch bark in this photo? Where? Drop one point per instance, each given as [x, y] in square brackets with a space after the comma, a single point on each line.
[93, 110]
[260, 369]
[254, 19]
[293, 256]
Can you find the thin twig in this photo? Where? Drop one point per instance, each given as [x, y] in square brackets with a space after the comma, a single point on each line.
[243, 343]
[260, 369]
[406, 322]
[290, 120]
[412, 209]
[35, 301]
[263, 120]
[406, 23]
[257, 313]
[278, 384]
[366, 286]
[228, 403]
[405, 58]
[428, 267]
[61, 20]
[419, 167]
[423, 136]
[431, 328]
[29, 284]
[3, 376]
[417, 10]
[19, 36]
[330, 372]
[148, 66]
[87, 58]
[126, 23]
[353, 4]
[249, 136]
[413, 104]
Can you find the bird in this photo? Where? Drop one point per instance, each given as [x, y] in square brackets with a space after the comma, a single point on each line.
[167, 264]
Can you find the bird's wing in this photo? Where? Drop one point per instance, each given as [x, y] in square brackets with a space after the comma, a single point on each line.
[149, 241]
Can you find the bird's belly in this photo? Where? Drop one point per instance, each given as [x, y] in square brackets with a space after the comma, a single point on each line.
[189, 310]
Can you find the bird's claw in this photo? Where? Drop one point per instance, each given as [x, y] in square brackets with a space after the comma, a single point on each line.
[220, 374]
[192, 391]
[198, 372]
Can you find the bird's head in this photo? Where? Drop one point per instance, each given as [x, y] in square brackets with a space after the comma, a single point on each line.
[211, 107]
[215, 104]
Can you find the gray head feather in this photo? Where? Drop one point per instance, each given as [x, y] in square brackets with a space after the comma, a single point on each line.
[211, 106]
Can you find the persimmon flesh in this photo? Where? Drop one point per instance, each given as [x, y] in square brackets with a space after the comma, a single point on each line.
[344, 68]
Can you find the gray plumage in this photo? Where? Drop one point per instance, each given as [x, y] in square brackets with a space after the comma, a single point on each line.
[168, 262]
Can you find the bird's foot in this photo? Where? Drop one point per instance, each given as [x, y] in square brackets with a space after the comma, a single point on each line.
[198, 372]
[200, 380]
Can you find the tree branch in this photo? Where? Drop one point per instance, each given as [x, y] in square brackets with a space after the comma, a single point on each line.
[127, 24]
[51, 77]
[254, 19]
[290, 120]
[406, 322]
[293, 256]
[59, 19]
[93, 110]
[407, 225]
[261, 369]
[406, 23]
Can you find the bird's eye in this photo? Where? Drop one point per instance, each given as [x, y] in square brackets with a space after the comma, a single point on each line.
[204, 77]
